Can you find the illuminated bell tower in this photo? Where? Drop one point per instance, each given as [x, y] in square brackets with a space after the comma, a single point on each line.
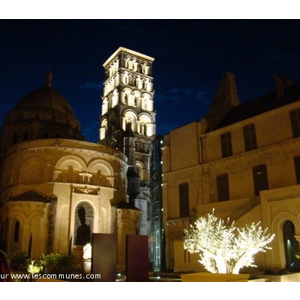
[128, 98]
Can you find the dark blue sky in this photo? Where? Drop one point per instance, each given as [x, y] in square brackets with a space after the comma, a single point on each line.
[191, 57]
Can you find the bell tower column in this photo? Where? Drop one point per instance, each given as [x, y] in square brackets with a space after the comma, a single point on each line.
[128, 98]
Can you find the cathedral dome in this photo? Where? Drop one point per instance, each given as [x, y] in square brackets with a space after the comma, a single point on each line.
[42, 113]
[45, 99]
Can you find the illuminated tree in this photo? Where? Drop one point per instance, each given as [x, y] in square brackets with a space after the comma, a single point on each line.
[224, 248]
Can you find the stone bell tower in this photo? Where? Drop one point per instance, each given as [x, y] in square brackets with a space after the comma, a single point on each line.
[128, 98]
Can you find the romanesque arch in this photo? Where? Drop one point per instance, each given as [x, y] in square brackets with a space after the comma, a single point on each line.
[277, 227]
[130, 116]
[291, 247]
[102, 173]
[145, 122]
[32, 171]
[83, 223]
[69, 168]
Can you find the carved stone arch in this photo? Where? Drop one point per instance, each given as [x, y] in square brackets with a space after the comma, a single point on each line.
[291, 245]
[144, 117]
[104, 124]
[12, 174]
[141, 169]
[102, 173]
[147, 102]
[103, 129]
[77, 162]
[34, 214]
[126, 95]
[130, 116]
[145, 122]
[32, 171]
[137, 98]
[69, 167]
[146, 96]
[100, 164]
[277, 225]
[14, 211]
[84, 216]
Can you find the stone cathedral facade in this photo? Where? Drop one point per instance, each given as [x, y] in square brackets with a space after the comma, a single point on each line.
[56, 188]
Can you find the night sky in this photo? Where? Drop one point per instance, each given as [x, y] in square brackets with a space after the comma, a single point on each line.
[191, 56]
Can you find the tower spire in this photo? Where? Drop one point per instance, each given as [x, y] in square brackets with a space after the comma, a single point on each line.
[49, 78]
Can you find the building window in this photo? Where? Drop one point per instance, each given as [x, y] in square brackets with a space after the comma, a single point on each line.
[249, 137]
[223, 187]
[297, 168]
[260, 178]
[291, 245]
[295, 120]
[184, 200]
[226, 144]
[16, 231]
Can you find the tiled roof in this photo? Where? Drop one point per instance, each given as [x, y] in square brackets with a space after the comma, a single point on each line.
[260, 105]
[31, 196]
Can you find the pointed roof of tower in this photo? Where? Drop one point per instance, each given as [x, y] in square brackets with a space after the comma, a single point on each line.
[262, 104]
[225, 99]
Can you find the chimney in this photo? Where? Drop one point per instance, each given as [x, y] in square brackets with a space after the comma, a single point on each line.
[282, 83]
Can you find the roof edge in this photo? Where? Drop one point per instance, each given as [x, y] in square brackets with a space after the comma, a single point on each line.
[123, 49]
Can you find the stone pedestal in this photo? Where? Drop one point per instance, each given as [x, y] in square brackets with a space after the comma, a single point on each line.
[214, 277]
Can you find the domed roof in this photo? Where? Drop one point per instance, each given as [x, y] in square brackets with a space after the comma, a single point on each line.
[43, 113]
[46, 98]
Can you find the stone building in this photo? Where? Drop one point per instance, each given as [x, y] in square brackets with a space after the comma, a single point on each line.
[128, 98]
[56, 189]
[243, 160]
